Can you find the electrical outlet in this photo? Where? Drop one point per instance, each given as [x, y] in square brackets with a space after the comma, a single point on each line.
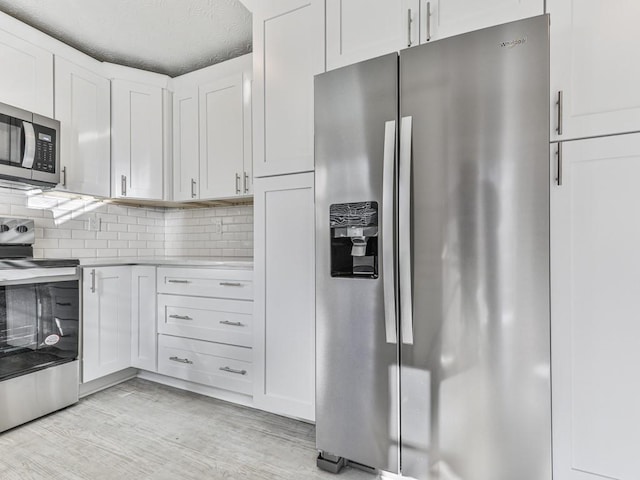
[217, 222]
[94, 223]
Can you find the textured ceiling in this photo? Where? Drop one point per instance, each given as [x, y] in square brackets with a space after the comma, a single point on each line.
[165, 36]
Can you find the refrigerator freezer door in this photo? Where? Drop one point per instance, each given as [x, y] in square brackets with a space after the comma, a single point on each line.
[475, 387]
[356, 378]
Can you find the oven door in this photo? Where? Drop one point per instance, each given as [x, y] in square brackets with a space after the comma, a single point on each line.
[39, 321]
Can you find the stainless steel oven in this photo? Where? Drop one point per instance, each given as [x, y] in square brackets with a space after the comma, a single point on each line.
[39, 329]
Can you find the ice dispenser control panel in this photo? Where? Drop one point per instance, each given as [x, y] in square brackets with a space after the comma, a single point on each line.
[354, 239]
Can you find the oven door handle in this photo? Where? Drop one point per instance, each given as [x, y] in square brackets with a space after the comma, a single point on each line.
[37, 275]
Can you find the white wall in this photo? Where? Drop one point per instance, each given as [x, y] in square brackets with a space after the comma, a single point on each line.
[61, 227]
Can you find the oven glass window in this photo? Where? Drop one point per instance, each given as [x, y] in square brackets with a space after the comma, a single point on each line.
[11, 141]
[39, 326]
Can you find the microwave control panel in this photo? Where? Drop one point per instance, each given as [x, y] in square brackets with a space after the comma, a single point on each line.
[45, 156]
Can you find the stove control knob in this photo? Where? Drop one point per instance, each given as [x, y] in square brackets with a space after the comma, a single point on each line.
[4, 228]
[22, 229]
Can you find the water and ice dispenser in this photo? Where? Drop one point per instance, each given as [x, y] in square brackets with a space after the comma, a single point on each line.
[354, 239]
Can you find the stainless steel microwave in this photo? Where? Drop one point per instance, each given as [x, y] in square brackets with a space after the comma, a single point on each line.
[29, 147]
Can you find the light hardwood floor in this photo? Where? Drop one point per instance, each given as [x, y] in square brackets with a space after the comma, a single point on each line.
[141, 430]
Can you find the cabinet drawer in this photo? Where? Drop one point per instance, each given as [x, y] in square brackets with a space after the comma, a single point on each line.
[206, 282]
[213, 364]
[210, 319]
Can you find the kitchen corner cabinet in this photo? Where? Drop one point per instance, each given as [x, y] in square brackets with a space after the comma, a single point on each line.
[26, 78]
[106, 321]
[137, 146]
[360, 29]
[82, 105]
[144, 338]
[284, 343]
[288, 50]
[594, 50]
[595, 280]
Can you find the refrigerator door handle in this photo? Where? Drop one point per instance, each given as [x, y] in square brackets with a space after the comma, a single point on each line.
[404, 234]
[388, 247]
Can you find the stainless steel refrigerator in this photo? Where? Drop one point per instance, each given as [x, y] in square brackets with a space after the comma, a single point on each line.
[432, 251]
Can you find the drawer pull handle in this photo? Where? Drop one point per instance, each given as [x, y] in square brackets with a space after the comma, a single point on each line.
[178, 281]
[231, 284]
[180, 360]
[63, 304]
[181, 317]
[227, 322]
[231, 370]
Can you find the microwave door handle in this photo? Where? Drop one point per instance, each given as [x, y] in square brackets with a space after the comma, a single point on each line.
[388, 227]
[404, 231]
[29, 145]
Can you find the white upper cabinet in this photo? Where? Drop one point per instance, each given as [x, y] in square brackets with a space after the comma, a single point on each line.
[288, 51]
[212, 132]
[26, 78]
[595, 280]
[362, 29]
[594, 50]
[82, 100]
[137, 140]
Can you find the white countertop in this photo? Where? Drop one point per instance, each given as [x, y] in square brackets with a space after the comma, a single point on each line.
[221, 262]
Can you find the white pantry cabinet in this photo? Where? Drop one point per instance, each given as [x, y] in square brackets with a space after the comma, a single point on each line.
[357, 30]
[212, 155]
[288, 50]
[594, 50]
[106, 321]
[26, 78]
[83, 107]
[144, 338]
[595, 306]
[284, 325]
[137, 144]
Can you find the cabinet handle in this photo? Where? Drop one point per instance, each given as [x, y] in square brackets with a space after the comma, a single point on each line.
[93, 280]
[246, 182]
[123, 185]
[428, 21]
[559, 103]
[178, 281]
[230, 284]
[64, 177]
[181, 317]
[227, 322]
[231, 370]
[559, 164]
[63, 304]
[193, 188]
[409, 28]
[180, 360]
[237, 183]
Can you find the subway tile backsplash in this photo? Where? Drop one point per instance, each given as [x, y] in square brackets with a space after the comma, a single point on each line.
[89, 228]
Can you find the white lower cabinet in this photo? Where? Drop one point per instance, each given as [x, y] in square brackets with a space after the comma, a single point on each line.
[144, 336]
[106, 321]
[595, 281]
[285, 295]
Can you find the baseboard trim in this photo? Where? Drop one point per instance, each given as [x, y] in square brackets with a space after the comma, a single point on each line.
[103, 383]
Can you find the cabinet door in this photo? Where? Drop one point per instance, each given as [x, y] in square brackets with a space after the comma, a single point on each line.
[444, 18]
[285, 295]
[221, 138]
[26, 80]
[186, 155]
[595, 280]
[288, 52]
[137, 141]
[594, 47]
[84, 110]
[361, 29]
[106, 321]
[144, 338]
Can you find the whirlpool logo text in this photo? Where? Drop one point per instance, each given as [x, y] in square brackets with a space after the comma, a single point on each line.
[513, 43]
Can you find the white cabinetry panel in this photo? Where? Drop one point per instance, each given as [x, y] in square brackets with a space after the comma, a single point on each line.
[26, 78]
[84, 110]
[285, 295]
[595, 309]
[106, 321]
[288, 52]
[143, 318]
[185, 144]
[594, 47]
